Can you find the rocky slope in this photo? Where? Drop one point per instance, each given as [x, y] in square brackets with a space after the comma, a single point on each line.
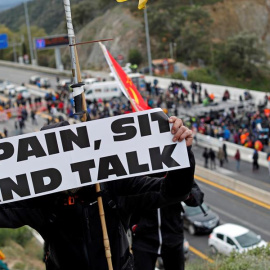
[233, 16]
[116, 23]
[230, 17]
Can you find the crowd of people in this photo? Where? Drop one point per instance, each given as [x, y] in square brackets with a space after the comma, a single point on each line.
[244, 128]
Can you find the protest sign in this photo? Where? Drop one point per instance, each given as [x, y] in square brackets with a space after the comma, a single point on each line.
[92, 152]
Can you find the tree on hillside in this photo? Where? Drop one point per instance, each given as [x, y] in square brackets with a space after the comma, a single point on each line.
[240, 55]
[134, 57]
[194, 41]
[84, 12]
[186, 26]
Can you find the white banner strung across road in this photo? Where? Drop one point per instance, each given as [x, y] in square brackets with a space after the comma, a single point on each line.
[73, 156]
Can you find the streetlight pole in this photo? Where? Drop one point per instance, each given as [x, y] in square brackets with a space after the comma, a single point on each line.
[29, 34]
[148, 42]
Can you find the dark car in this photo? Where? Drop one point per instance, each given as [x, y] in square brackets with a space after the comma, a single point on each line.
[195, 221]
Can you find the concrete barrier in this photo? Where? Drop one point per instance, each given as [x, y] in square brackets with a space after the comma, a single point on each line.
[36, 68]
[245, 153]
[217, 90]
[235, 185]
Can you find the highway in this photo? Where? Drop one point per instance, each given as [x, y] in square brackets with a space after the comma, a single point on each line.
[20, 76]
[230, 208]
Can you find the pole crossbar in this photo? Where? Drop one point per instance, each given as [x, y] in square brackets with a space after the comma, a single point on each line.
[93, 41]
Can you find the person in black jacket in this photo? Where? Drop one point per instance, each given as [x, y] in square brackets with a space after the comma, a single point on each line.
[160, 233]
[69, 221]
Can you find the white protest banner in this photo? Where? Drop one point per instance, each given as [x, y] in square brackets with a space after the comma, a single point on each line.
[73, 156]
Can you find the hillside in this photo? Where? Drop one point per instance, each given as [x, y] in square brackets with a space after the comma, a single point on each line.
[47, 14]
[193, 29]
[116, 23]
[233, 16]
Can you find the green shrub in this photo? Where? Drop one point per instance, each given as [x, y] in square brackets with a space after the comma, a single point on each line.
[19, 266]
[203, 75]
[256, 259]
[21, 236]
[134, 57]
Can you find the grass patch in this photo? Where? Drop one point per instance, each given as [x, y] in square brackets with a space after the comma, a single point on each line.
[256, 259]
[27, 258]
[211, 76]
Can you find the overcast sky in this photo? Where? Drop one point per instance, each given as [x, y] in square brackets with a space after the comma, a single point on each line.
[6, 4]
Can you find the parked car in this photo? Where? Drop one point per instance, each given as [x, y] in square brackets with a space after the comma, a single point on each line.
[22, 90]
[231, 237]
[160, 265]
[10, 90]
[2, 86]
[45, 82]
[145, 70]
[64, 84]
[34, 79]
[195, 221]
[38, 80]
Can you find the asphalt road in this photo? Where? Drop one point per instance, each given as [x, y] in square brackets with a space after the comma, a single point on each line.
[231, 209]
[260, 178]
[20, 76]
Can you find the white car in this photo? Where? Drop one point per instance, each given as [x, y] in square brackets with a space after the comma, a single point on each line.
[230, 237]
[64, 84]
[10, 90]
[2, 86]
[23, 91]
[34, 79]
[45, 82]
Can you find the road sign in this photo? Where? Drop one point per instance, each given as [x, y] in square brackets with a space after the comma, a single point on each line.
[165, 62]
[3, 41]
[51, 42]
[120, 57]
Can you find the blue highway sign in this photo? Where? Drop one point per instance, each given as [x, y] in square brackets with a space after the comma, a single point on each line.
[3, 41]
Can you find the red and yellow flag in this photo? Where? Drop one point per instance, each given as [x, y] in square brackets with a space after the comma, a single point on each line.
[141, 5]
[127, 86]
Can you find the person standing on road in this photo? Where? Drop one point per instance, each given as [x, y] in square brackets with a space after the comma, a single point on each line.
[205, 156]
[34, 117]
[212, 156]
[224, 147]
[268, 159]
[5, 132]
[220, 156]
[255, 157]
[237, 158]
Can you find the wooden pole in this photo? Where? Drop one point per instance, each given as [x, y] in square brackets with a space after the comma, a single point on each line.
[77, 79]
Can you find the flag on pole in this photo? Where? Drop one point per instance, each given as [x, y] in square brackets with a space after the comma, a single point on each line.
[127, 86]
[141, 5]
